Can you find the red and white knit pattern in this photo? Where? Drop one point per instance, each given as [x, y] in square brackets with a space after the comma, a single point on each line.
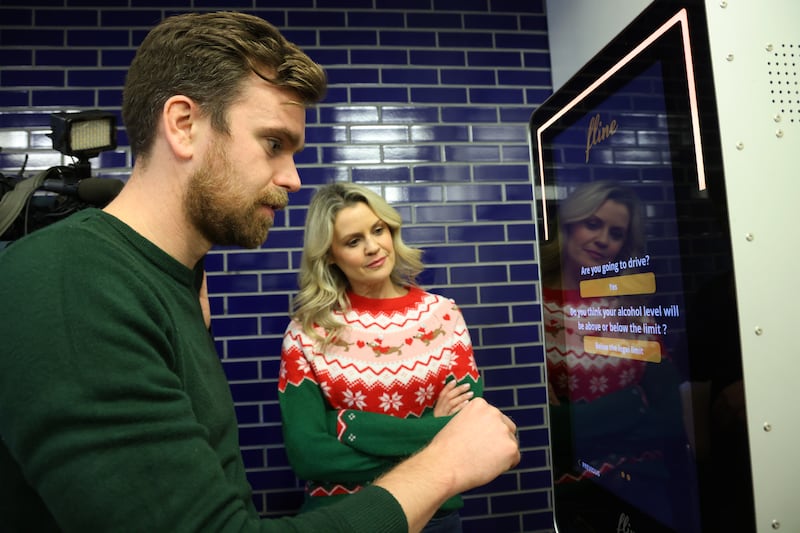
[337, 490]
[393, 357]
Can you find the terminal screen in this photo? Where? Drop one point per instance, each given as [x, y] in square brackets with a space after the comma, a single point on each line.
[633, 243]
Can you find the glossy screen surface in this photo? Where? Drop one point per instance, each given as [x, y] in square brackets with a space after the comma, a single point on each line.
[640, 325]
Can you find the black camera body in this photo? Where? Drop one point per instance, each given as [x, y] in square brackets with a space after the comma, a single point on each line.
[27, 204]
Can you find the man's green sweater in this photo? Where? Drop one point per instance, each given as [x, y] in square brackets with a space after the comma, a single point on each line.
[115, 414]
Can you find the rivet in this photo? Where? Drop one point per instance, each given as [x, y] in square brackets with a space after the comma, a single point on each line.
[729, 57]
[767, 427]
[769, 47]
[740, 145]
[777, 118]
[723, 4]
[776, 524]
[749, 237]
[779, 134]
[758, 330]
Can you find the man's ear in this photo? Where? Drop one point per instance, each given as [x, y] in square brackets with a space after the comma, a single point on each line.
[180, 116]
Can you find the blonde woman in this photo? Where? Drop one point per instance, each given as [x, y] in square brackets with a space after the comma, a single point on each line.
[372, 365]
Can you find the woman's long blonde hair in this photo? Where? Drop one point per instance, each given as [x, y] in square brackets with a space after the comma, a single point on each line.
[323, 286]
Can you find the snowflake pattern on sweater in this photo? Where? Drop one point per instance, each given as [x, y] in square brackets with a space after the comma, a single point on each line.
[393, 357]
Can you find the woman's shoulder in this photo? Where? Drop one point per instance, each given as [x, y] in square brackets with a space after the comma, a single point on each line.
[419, 294]
[439, 303]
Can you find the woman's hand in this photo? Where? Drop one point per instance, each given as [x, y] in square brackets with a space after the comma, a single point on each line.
[452, 399]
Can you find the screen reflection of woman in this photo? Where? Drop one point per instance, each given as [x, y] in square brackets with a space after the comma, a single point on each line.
[614, 420]
[372, 366]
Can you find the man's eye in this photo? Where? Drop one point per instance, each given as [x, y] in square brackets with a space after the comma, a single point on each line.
[274, 145]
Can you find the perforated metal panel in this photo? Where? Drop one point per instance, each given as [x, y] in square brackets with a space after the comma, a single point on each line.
[784, 82]
[755, 51]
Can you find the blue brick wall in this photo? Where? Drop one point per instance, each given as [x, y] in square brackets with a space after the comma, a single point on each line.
[428, 104]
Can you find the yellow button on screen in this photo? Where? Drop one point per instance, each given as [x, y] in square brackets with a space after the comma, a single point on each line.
[644, 283]
[649, 351]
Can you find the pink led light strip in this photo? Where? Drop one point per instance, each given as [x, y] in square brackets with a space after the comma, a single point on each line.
[679, 18]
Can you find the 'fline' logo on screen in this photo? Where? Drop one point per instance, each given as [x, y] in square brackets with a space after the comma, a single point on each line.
[598, 132]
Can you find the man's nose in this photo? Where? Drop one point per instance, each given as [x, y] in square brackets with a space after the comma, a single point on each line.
[287, 176]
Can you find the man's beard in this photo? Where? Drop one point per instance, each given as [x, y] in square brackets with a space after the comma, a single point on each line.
[219, 208]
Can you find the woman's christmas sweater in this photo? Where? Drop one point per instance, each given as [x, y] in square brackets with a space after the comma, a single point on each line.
[366, 402]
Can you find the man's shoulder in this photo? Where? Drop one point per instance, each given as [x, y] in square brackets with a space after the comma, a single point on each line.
[60, 233]
[74, 245]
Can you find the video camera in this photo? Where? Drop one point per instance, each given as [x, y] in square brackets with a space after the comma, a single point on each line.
[27, 204]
